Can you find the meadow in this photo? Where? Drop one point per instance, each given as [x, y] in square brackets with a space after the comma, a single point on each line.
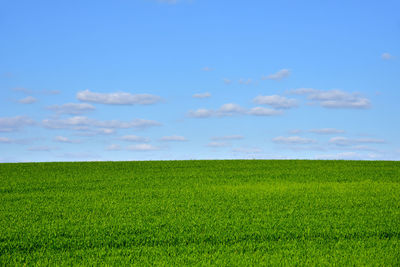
[225, 212]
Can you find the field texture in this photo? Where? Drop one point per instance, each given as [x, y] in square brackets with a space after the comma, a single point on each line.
[235, 212]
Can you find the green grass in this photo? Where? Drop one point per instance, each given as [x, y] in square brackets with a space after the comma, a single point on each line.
[239, 212]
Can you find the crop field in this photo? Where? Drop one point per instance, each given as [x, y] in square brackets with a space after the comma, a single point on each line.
[226, 212]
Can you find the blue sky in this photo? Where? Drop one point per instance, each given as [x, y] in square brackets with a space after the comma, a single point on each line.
[199, 79]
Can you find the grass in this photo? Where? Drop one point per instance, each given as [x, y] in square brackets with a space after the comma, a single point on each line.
[239, 212]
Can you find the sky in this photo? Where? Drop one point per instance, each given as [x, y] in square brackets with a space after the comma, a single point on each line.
[199, 79]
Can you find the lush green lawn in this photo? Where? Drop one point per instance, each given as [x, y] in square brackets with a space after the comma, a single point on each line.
[200, 212]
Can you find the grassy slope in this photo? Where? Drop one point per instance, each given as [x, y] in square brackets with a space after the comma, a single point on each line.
[207, 212]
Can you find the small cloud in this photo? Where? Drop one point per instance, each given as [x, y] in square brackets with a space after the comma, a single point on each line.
[227, 137]
[261, 111]
[63, 139]
[386, 56]
[173, 138]
[51, 92]
[247, 150]
[202, 95]
[113, 147]
[207, 69]
[326, 131]
[232, 109]
[227, 81]
[41, 148]
[27, 100]
[293, 140]
[283, 73]
[344, 141]
[201, 113]
[84, 123]
[22, 90]
[276, 101]
[295, 131]
[72, 108]
[218, 144]
[169, 2]
[12, 124]
[118, 98]
[143, 147]
[6, 140]
[246, 82]
[334, 98]
[134, 138]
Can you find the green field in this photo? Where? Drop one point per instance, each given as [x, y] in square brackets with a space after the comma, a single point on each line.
[233, 212]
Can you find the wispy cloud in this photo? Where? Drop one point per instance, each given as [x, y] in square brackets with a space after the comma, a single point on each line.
[41, 148]
[261, 111]
[293, 140]
[63, 139]
[202, 95]
[173, 138]
[12, 124]
[27, 100]
[113, 147]
[326, 131]
[83, 123]
[118, 98]
[232, 109]
[72, 108]
[227, 137]
[218, 144]
[386, 56]
[207, 69]
[247, 150]
[283, 73]
[245, 81]
[143, 147]
[135, 138]
[334, 98]
[227, 81]
[344, 141]
[276, 101]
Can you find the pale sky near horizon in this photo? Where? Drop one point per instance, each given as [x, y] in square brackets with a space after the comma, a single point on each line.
[199, 79]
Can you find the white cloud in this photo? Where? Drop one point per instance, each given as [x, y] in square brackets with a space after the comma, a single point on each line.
[207, 69]
[135, 138]
[261, 111]
[118, 98]
[27, 100]
[84, 123]
[247, 150]
[218, 144]
[72, 108]
[246, 82]
[276, 101]
[344, 141]
[334, 98]
[202, 95]
[201, 113]
[41, 148]
[63, 139]
[227, 81]
[173, 138]
[386, 56]
[113, 147]
[293, 140]
[6, 140]
[12, 124]
[283, 73]
[227, 137]
[231, 109]
[142, 147]
[326, 131]
[22, 90]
